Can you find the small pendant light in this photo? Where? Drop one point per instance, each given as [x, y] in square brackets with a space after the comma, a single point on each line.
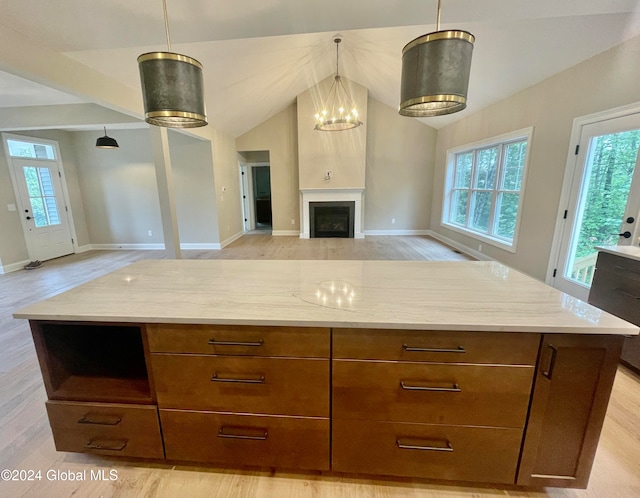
[435, 73]
[172, 87]
[106, 142]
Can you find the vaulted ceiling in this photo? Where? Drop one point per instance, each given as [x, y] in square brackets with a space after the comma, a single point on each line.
[258, 55]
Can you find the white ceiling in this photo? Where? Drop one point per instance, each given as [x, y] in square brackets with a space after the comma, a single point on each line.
[259, 54]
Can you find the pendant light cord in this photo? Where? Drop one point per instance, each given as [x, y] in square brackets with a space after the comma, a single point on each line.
[166, 24]
[337, 56]
[437, 21]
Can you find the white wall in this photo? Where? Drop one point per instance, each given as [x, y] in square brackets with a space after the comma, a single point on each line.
[603, 82]
[194, 190]
[121, 195]
[342, 152]
[13, 248]
[119, 188]
[400, 153]
[279, 136]
[227, 186]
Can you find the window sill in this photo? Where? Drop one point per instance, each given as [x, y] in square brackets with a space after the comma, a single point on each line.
[484, 238]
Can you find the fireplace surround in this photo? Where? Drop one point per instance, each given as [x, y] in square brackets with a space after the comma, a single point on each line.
[339, 195]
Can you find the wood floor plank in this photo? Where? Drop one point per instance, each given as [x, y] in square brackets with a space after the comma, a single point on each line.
[26, 442]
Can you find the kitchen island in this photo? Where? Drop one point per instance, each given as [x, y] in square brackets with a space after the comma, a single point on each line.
[467, 371]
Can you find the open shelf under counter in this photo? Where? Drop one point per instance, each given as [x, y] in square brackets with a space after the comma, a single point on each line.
[93, 362]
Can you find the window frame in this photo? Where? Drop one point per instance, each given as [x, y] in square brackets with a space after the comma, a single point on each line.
[501, 141]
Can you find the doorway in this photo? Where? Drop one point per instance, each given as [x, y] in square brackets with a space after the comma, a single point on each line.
[603, 199]
[255, 183]
[36, 174]
[262, 196]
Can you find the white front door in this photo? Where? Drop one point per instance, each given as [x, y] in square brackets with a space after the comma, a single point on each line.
[604, 203]
[42, 207]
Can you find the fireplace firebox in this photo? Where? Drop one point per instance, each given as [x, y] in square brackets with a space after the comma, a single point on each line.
[331, 219]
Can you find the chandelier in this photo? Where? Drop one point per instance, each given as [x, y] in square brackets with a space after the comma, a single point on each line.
[338, 110]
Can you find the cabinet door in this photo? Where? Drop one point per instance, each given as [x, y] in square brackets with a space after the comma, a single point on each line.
[573, 383]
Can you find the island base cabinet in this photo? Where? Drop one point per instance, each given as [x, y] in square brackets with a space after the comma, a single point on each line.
[106, 428]
[479, 454]
[260, 440]
[572, 388]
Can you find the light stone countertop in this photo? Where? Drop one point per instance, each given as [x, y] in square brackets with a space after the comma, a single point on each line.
[631, 252]
[473, 296]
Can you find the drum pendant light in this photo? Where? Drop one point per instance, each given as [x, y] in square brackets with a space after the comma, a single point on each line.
[172, 87]
[435, 73]
[106, 142]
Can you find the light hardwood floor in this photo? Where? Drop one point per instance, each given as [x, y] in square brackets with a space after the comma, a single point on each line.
[26, 442]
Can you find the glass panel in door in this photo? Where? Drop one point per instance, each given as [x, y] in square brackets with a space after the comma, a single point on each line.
[42, 196]
[602, 207]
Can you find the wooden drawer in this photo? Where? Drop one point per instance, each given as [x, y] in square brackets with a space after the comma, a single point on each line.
[239, 340]
[616, 294]
[106, 429]
[286, 442]
[283, 386]
[431, 393]
[476, 454]
[618, 265]
[437, 346]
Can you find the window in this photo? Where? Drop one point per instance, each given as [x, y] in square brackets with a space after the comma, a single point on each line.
[18, 148]
[484, 187]
[41, 196]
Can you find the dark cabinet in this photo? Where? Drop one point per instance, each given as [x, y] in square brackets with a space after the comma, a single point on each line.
[616, 289]
[572, 388]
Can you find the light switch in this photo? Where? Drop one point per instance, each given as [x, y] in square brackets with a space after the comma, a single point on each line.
[11, 207]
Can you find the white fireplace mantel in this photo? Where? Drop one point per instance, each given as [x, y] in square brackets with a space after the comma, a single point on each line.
[308, 195]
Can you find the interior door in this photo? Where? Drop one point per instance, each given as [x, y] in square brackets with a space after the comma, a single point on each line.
[41, 202]
[604, 203]
[247, 198]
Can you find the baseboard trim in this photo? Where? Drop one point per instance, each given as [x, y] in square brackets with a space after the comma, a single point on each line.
[200, 247]
[13, 267]
[231, 239]
[127, 247]
[279, 233]
[461, 247]
[147, 247]
[84, 248]
[396, 232]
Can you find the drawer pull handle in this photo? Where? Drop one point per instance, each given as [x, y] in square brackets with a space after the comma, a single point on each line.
[625, 293]
[460, 349]
[618, 267]
[454, 389]
[552, 362]
[406, 446]
[251, 433]
[259, 380]
[213, 342]
[97, 419]
[106, 444]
